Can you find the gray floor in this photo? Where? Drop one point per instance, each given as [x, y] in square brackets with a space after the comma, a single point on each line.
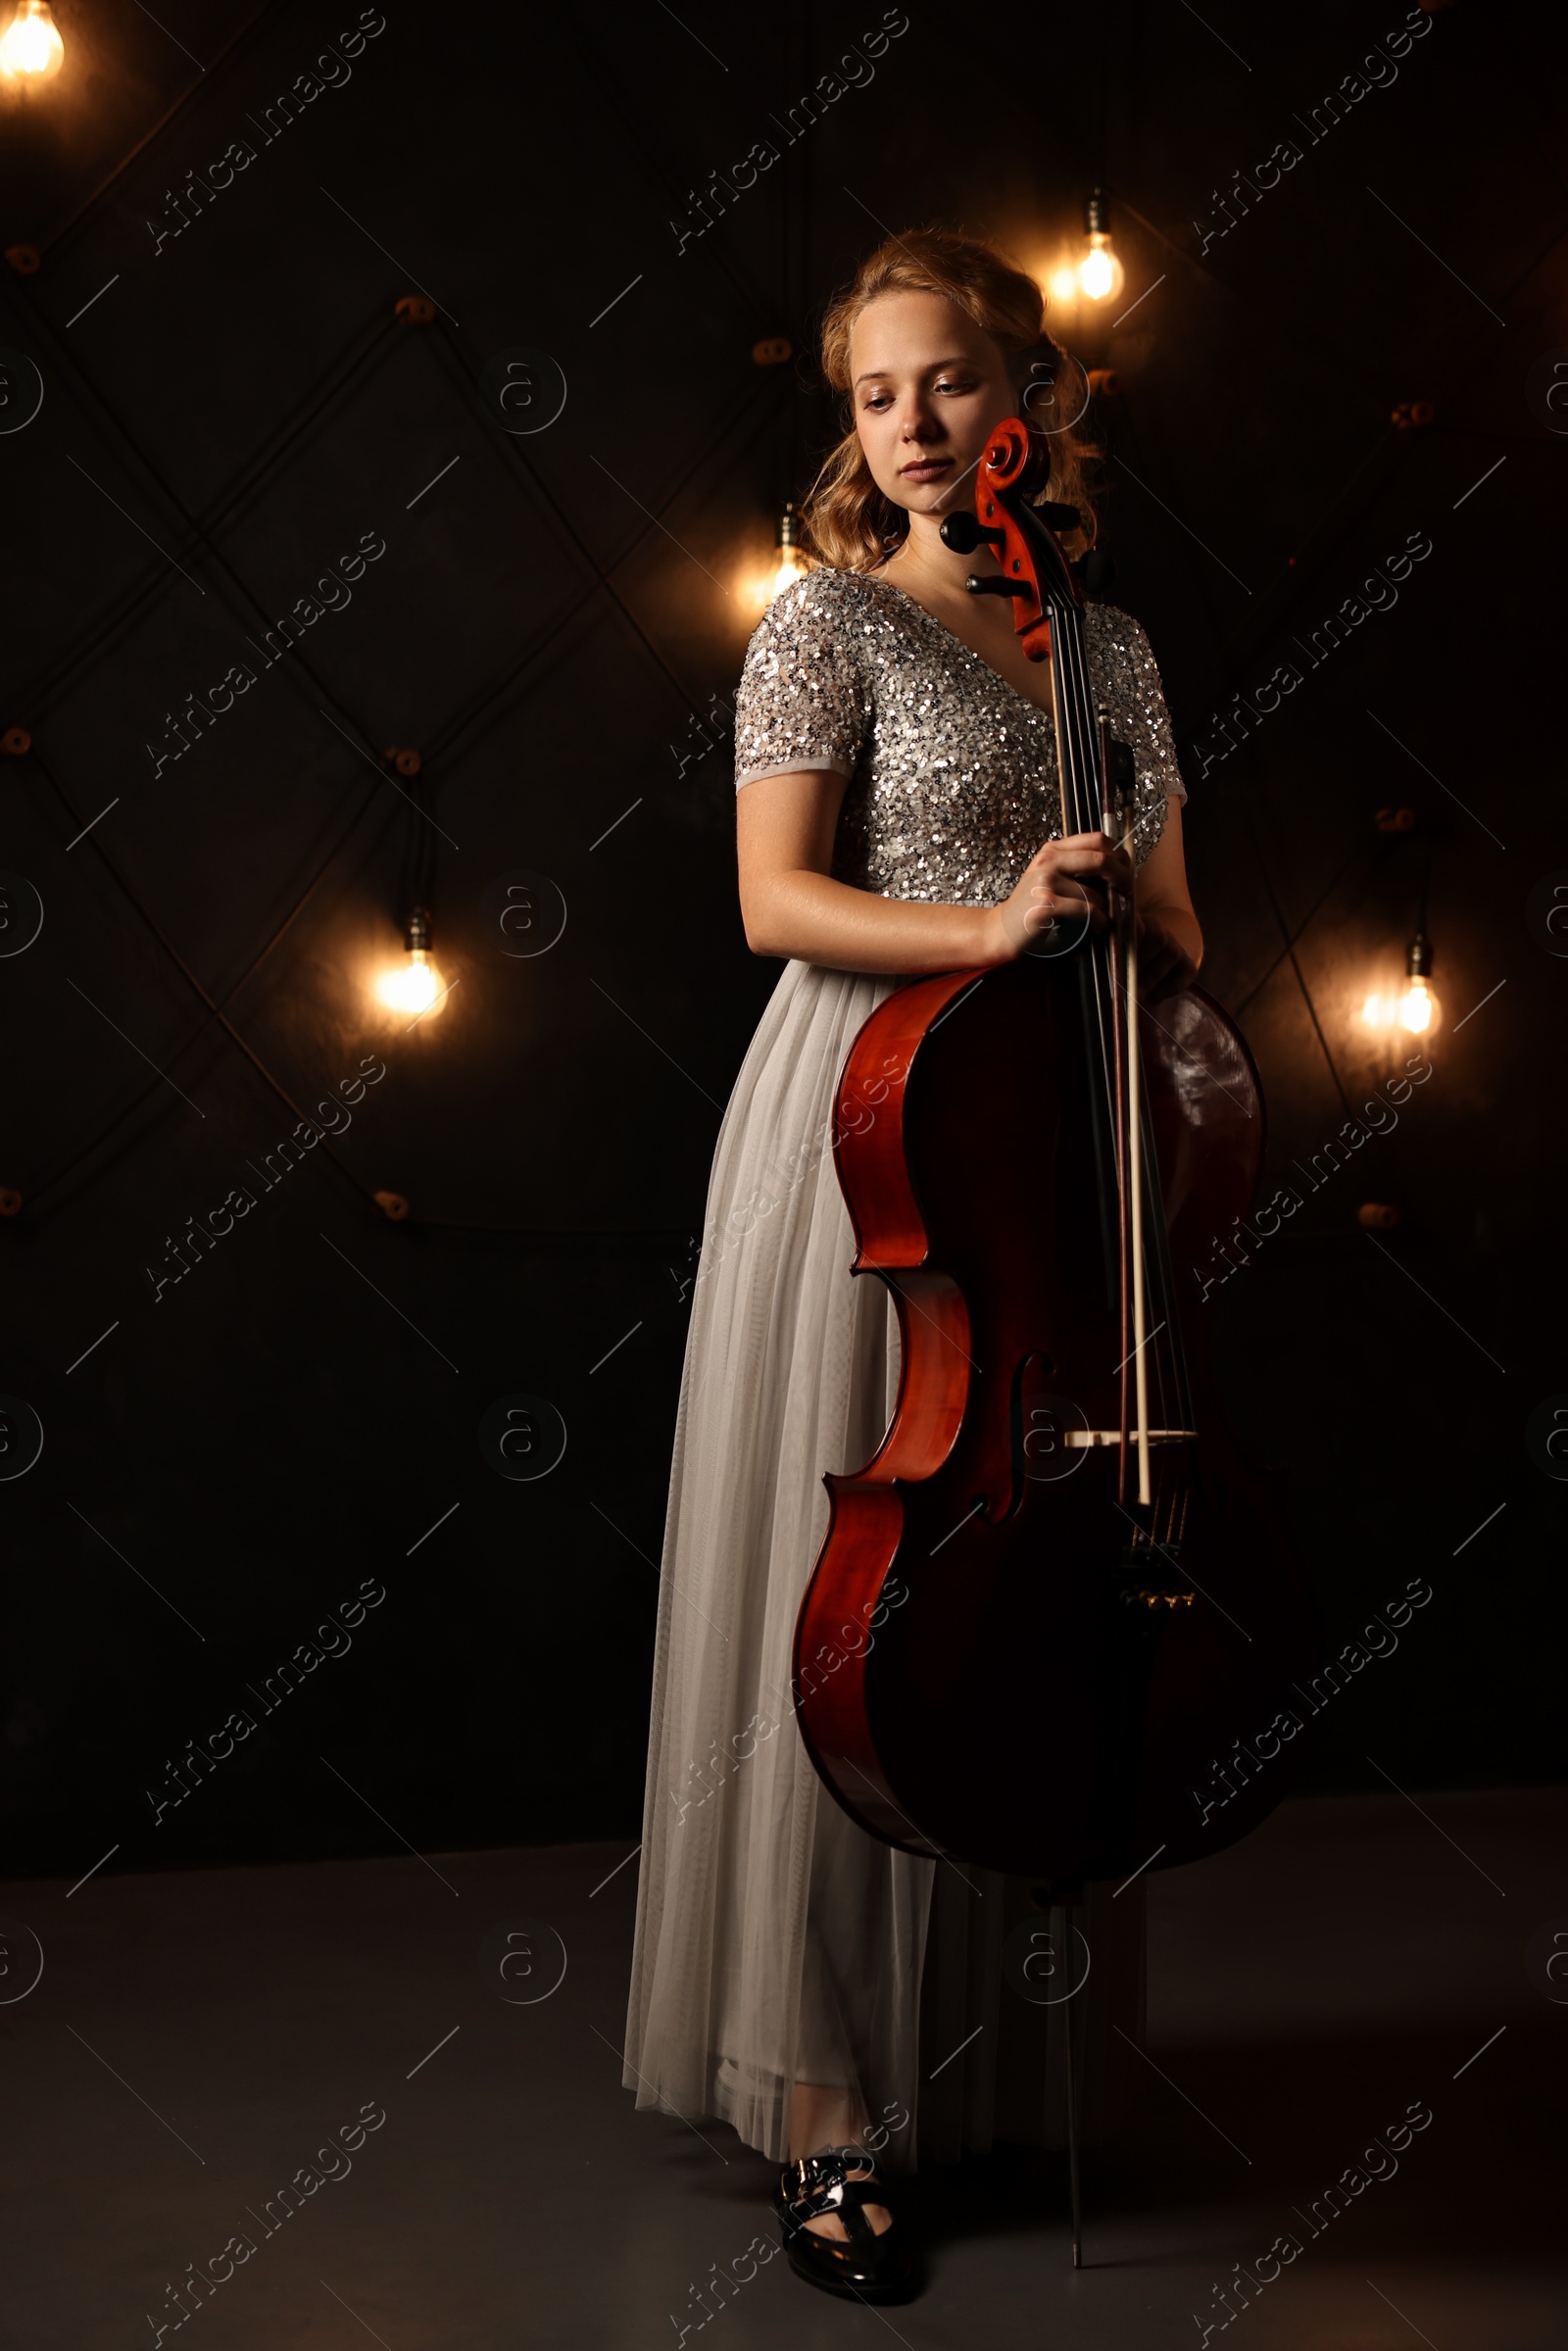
[195, 2039]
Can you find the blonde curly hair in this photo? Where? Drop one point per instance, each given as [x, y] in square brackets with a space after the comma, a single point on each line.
[848, 522]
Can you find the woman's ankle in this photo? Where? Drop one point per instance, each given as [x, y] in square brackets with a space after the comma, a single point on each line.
[824, 2115]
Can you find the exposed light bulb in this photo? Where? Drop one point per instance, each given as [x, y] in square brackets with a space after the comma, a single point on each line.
[410, 987]
[1418, 1009]
[1099, 273]
[415, 986]
[793, 562]
[792, 565]
[1064, 285]
[31, 47]
[1096, 273]
[1415, 1008]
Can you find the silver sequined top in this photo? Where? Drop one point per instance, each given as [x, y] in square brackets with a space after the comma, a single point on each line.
[953, 771]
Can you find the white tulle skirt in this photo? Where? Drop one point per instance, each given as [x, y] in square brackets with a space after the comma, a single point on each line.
[776, 1941]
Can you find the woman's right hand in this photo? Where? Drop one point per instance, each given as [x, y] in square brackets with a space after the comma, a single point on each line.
[1051, 891]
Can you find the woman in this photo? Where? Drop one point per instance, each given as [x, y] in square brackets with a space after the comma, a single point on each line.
[898, 813]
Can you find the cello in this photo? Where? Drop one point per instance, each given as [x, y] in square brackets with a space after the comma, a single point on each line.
[1054, 1621]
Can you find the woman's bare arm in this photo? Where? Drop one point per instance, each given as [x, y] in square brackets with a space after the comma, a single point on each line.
[1170, 946]
[792, 907]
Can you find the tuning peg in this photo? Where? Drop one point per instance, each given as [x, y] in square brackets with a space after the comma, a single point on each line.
[963, 534]
[994, 584]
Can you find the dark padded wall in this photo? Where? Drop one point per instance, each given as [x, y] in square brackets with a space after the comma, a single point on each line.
[546, 618]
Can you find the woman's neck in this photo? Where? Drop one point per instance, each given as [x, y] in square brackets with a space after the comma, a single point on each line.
[928, 570]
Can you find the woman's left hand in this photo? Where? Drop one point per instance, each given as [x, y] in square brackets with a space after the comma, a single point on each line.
[1165, 966]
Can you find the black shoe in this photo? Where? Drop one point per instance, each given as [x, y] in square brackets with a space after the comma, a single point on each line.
[868, 2267]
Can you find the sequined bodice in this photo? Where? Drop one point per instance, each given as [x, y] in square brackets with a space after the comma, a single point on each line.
[952, 782]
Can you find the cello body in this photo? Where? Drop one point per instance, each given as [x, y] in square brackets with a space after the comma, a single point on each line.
[995, 1658]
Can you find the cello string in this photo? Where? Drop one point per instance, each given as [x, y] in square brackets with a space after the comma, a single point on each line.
[1117, 1061]
[1078, 702]
[1113, 820]
[1074, 702]
[1073, 710]
[1169, 1368]
[1167, 1373]
[1174, 1390]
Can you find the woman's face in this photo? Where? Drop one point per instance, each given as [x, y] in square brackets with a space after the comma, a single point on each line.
[928, 387]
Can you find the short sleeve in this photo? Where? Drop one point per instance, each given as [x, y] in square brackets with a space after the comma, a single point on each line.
[1127, 676]
[1126, 679]
[804, 699]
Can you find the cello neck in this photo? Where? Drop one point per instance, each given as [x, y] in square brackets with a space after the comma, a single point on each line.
[1012, 517]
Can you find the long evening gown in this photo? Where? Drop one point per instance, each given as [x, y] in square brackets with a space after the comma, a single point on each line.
[776, 1941]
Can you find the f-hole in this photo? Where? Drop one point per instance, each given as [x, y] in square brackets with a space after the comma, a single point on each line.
[1033, 1425]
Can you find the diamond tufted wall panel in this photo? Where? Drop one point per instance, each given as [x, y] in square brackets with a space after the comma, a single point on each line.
[252, 477]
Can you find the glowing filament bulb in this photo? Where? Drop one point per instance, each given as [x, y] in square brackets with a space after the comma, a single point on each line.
[1096, 273]
[410, 987]
[31, 47]
[415, 986]
[1099, 273]
[1418, 1009]
[792, 565]
[793, 562]
[1415, 1008]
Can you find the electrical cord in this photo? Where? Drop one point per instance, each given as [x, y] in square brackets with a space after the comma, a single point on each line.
[1358, 855]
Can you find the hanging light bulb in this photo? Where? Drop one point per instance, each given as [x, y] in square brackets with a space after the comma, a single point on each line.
[1415, 1008]
[31, 47]
[1099, 273]
[791, 561]
[414, 986]
[1418, 1010]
